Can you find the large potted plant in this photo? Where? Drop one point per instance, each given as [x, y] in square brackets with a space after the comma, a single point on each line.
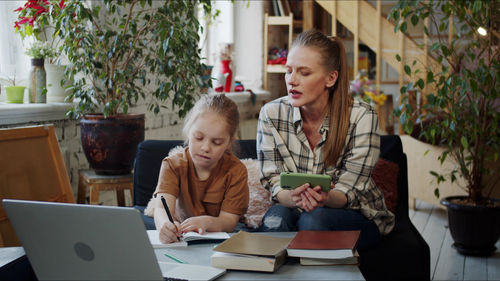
[118, 52]
[461, 113]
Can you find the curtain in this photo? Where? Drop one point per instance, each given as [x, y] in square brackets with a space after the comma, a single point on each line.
[13, 61]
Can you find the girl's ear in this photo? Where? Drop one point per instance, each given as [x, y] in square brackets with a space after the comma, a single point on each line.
[331, 78]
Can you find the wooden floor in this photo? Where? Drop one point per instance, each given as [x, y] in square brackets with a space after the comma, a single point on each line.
[446, 262]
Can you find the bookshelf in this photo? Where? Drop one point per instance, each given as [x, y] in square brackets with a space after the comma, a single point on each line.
[281, 39]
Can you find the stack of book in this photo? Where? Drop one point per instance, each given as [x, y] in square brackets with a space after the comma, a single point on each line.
[250, 251]
[325, 247]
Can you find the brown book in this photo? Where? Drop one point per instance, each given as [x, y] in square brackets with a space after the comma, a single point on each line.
[250, 251]
[324, 244]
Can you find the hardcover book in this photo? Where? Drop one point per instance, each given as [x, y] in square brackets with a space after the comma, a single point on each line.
[324, 244]
[251, 251]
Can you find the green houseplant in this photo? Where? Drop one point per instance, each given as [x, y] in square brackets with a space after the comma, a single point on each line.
[120, 51]
[462, 110]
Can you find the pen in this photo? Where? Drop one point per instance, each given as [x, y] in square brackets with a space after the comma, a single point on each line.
[164, 202]
[166, 209]
[174, 258]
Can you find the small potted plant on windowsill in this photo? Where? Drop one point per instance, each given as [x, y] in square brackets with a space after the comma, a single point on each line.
[14, 91]
[37, 79]
[464, 106]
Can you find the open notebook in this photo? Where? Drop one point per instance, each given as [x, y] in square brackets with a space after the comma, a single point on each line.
[187, 238]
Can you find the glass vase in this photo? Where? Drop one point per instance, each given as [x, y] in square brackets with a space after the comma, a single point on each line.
[37, 82]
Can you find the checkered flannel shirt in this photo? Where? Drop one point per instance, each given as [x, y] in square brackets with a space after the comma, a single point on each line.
[282, 146]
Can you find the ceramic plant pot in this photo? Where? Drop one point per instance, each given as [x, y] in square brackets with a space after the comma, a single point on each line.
[110, 144]
[475, 229]
[15, 94]
[56, 92]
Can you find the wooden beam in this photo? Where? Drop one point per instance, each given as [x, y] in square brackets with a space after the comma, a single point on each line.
[401, 71]
[266, 34]
[334, 19]
[378, 60]
[290, 30]
[307, 14]
[423, 95]
[356, 38]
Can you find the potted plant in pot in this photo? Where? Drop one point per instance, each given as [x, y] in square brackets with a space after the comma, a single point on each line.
[36, 22]
[14, 91]
[37, 79]
[463, 104]
[119, 52]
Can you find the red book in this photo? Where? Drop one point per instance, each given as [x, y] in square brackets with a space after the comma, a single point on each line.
[324, 244]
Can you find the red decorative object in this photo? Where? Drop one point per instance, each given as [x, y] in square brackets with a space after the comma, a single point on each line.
[228, 75]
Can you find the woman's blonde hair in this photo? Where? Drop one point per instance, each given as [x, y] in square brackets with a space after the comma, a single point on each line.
[218, 103]
[333, 58]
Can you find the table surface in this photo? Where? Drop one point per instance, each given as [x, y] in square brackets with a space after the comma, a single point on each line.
[200, 254]
[292, 270]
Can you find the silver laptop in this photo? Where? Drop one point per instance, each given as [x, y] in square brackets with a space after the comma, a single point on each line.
[84, 242]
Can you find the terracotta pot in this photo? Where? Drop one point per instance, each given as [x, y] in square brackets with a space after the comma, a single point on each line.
[475, 229]
[110, 144]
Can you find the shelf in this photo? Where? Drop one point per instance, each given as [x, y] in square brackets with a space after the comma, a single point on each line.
[274, 20]
[276, 68]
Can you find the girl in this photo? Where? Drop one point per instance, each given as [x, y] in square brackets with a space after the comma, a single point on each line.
[319, 129]
[205, 185]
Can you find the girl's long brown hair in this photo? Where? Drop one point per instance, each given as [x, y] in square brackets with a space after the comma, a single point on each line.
[340, 101]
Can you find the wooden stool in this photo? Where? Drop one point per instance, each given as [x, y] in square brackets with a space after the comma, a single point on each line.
[97, 183]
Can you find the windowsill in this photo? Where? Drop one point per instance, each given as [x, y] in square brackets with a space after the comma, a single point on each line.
[11, 113]
[245, 96]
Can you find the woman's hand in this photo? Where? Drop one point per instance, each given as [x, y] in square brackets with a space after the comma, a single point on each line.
[312, 198]
[296, 194]
[197, 224]
[170, 232]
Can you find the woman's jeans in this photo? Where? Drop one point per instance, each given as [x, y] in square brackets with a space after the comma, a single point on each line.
[284, 219]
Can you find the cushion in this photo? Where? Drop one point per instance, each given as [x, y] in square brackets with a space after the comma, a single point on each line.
[260, 198]
[385, 176]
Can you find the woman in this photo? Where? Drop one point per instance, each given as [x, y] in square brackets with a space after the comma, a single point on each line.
[318, 129]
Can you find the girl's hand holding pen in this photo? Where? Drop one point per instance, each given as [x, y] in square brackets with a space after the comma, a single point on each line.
[171, 230]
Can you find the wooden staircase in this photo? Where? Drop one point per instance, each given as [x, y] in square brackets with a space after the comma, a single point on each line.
[367, 24]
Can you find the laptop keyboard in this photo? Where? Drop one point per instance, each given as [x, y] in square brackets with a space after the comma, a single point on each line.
[173, 279]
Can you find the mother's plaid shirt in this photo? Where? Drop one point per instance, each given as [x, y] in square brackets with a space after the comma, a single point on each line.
[282, 146]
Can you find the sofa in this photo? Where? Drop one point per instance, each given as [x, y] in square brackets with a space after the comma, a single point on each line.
[401, 255]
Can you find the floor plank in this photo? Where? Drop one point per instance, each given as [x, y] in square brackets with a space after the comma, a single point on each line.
[493, 266]
[422, 215]
[434, 234]
[450, 265]
[475, 268]
[446, 262]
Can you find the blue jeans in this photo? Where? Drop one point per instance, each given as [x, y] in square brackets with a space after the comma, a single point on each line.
[283, 219]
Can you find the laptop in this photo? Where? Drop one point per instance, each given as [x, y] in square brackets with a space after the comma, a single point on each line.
[88, 242]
